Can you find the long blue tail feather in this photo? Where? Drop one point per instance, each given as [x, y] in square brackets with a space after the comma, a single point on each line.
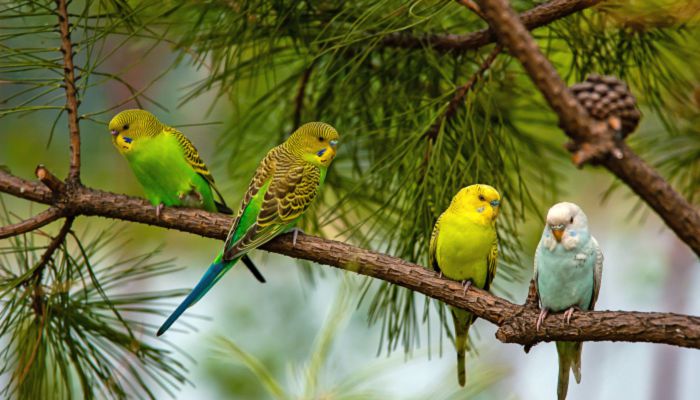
[216, 270]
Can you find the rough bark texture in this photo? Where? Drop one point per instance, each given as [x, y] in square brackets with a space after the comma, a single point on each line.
[71, 91]
[517, 323]
[534, 18]
[594, 140]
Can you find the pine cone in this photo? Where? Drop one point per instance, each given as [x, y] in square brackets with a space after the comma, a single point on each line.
[608, 98]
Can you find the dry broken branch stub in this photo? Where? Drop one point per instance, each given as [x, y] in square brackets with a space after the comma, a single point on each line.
[518, 322]
[678, 214]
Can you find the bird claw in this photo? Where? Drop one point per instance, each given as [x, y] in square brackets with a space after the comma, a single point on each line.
[295, 232]
[159, 209]
[540, 318]
[568, 313]
[467, 284]
[440, 275]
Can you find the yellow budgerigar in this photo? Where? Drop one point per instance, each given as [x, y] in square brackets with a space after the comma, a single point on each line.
[464, 248]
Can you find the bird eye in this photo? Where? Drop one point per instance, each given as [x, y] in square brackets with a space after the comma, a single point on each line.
[571, 221]
[320, 139]
[125, 127]
[482, 198]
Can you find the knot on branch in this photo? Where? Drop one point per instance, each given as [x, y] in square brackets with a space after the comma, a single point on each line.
[61, 191]
[615, 115]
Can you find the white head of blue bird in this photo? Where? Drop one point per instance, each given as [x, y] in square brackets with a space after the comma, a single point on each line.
[566, 224]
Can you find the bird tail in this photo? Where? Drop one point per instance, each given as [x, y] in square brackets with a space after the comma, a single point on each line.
[569, 359]
[216, 270]
[462, 321]
[223, 208]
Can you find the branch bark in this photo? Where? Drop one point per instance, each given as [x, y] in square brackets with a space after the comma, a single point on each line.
[460, 94]
[536, 17]
[516, 322]
[617, 157]
[71, 91]
[43, 218]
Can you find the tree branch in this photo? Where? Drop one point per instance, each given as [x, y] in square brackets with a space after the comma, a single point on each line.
[517, 323]
[301, 93]
[460, 94]
[43, 218]
[594, 136]
[536, 17]
[71, 91]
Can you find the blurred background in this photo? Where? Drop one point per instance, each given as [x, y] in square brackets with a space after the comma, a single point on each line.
[306, 333]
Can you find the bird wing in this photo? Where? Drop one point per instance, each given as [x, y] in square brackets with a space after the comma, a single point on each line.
[597, 271]
[197, 164]
[290, 191]
[491, 263]
[534, 275]
[432, 250]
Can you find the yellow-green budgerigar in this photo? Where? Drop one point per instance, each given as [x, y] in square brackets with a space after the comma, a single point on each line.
[285, 184]
[167, 165]
[464, 247]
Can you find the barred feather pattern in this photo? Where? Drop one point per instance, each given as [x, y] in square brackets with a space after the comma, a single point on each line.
[293, 185]
[191, 153]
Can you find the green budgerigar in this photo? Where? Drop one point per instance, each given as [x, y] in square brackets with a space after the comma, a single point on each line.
[285, 184]
[167, 165]
[464, 247]
[568, 271]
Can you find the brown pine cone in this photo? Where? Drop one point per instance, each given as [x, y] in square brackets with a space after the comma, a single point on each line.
[608, 98]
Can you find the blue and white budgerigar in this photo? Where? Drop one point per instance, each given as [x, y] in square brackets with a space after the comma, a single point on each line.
[568, 270]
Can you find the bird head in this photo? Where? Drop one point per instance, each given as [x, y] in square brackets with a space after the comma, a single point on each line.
[567, 224]
[478, 200]
[131, 125]
[315, 142]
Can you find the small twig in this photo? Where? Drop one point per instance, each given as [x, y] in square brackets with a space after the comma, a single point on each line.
[30, 224]
[536, 17]
[301, 93]
[52, 247]
[71, 90]
[472, 6]
[594, 137]
[460, 94]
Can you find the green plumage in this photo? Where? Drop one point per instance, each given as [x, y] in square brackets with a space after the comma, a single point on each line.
[285, 184]
[165, 162]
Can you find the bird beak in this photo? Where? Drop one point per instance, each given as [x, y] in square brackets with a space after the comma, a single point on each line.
[495, 203]
[114, 132]
[333, 143]
[557, 231]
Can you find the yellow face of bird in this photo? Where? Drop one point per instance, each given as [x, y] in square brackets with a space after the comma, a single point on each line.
[481, 200]
[129, 126]
[316, 142]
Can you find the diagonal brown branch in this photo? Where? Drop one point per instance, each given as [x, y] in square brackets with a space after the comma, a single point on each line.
[516, 322]
[534, 18]
[677, 213]
[460, 94]
[43, 218]
[71, 90]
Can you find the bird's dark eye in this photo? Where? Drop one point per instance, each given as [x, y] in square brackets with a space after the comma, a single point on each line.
[321, 139]
[482, 198]
[125, 127]
[571, 221]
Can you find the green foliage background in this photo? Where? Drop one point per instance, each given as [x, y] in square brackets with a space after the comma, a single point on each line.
[260, 68]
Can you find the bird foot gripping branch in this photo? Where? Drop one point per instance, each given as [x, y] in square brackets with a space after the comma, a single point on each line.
[615, 116]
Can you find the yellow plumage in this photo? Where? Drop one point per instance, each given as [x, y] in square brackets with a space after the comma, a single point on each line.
[464, 247]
